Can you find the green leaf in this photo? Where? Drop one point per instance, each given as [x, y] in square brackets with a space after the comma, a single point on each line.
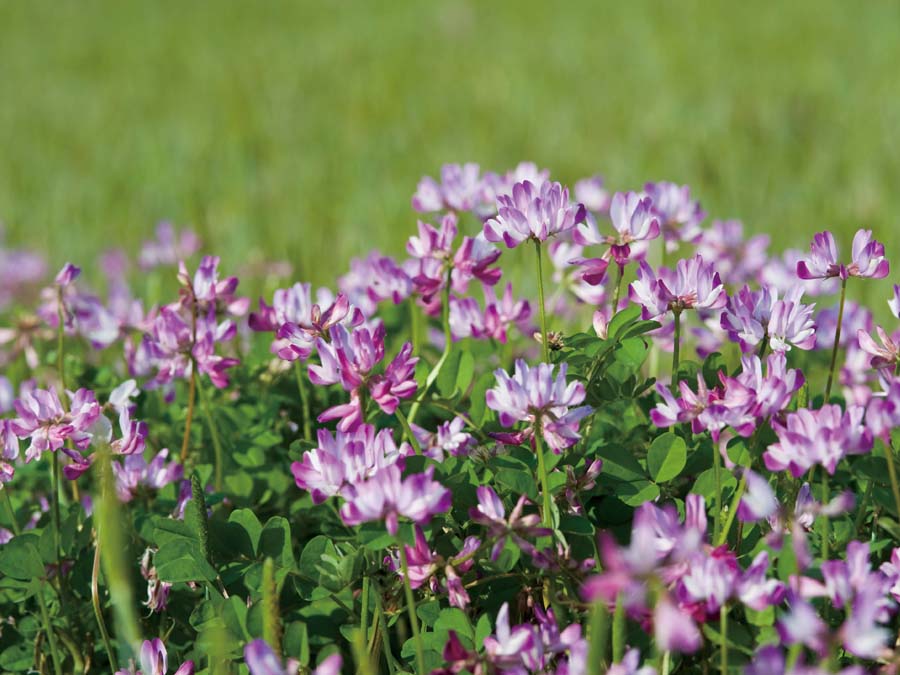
[619, 463]
[478, 405]
[244, 531]
[20, 558]
[667, 457]
[519, 482]
[183, 561]
[624, 318]
[456, 620]
[275, 541]
[446, 379]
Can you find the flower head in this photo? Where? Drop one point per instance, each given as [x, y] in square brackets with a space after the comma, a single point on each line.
[693, 284]
[867, 258]
[533, 212]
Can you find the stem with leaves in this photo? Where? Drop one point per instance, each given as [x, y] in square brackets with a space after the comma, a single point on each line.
[676, 350]
[304, 401]
[546, 510]
[98, 611]
[448, 345]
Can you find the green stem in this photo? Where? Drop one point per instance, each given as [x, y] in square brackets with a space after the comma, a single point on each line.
[861, 513]
[599, 638]
[837, 341]
[98, 612]
[546, 511]
[618, 631]
[304, 401]
[732, 510]
[717, 513]
[414, 324]
[763, 346]
[214, 432]
[618, 290]
[385, 638]
[667, 656]
[51, 635]
[364, 611]
[60, 356]
[676, 350]
[54, 476]
[411, 609]
[407, 431]
[545, 343]
[892, 472]
[186, 439]
[723, 629]
[448, 345]
[13, 523]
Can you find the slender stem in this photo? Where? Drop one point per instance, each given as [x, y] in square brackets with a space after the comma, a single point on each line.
[545, 343]
[214, 432]
[13, 523]
[407, 431]
[826, 522]
[890, 456]
[723, 629]
[51, 635]
[54, 514]
[717, 514]
[861, 513]
[618, 630]
[364, 611]
[837, 340]
[385, 638]
[448, 345]
[192, 387]
[98, 612]
[60, 355]
[676, 350]
[411, 609]
[618, 289]
[546, 511]
[732, 510]
[414, 324]
[599, 641]
[304, 401]
[667, 655]
[763, 345]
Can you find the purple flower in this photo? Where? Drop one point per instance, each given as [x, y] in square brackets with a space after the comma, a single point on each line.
[468, 320]
[679, 216]
[738, 260]
[506, 646]
[675, 630]
[867, 258]
[386, 497]
[298, 321]
[167, 248]
[155, 661]
[634, 221]
[461, 189]
[753, 316]
[9, 451]
[801, 624]
[67, 275]
[18, 270]
[349, 359]
[374, 279]
[630, 665]
[894, 302]
[884, 357]
[759, 500]
[491, 513]
[345, 459]
[205, 293]
[157, 590]
[591, 193]
[811, 437]
[533, 212]
[692, 285]
[448, 439]
[43, 420]
[135, 472]
[883, 413]
[535, 396]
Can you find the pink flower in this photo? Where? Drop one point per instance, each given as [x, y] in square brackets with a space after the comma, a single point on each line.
[345, 459]
[634, 221]
[811, 437]
[533, 212]
[506, 646]
[167, 249]
[43, 420]
[135, 472]
[679, 216]
[867, 258]
[491, 513]
[449, 438]
[738, 260]
[692, 285]
[386, 497]
[535, 396]
[591, 193]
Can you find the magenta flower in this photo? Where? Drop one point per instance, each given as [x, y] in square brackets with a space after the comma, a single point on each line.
[811, 437]
[19, 269]
[373, 280]
[675, 630]
[423, 562]
[386, 497]
[738, 260]
[883, 413]
[461, 189]
[692, 285]
[167, 248]
[155, 661]
[157, 590]
[884, 357]
[345, 459]
[506, 646]
[9, 451]
[491, 513]
[679, 216]
[448, 439]
[759, 501]
[135, 472]
[591, 193]
[634, 221]
[350, 359]
[204, 293]
[545, 402]
[43, 420]
[468, 320]
[894, 302]
[754, 316]
[630, 665]
[533, 212]
[867, 258]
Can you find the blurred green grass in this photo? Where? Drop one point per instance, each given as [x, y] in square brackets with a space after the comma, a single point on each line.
[299, 130]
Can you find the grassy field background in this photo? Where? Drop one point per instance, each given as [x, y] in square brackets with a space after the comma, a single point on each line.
[299, 130]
